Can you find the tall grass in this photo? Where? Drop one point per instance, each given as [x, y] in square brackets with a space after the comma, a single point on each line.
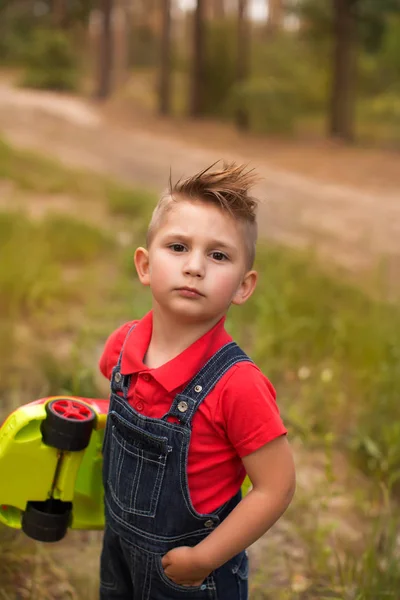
[333, 353]
[31, 172]
[29, 277]
[32, 256]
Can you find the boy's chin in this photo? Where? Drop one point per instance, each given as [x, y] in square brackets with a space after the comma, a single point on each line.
[191, 314]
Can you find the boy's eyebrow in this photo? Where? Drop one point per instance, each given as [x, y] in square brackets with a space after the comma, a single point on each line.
[216, 243]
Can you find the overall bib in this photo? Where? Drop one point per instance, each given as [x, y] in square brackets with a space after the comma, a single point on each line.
[147, 502]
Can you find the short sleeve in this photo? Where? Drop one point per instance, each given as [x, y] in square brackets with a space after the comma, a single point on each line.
[248, 409]
[112, 349]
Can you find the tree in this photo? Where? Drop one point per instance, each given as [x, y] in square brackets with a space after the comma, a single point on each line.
[59, 13]
[196, 103]
[243, 59]
[355, 22]
[275, 16]
[105, 51]
[350, 24]
[165, 69]
[218, 9]
[344, 68]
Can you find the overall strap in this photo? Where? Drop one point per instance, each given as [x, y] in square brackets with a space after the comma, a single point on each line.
[119, 382]
[187, 402]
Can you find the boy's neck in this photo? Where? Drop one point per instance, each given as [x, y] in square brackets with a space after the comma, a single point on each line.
[170, 337]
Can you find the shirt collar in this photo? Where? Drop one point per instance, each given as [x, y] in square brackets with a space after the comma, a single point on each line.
[181, 369]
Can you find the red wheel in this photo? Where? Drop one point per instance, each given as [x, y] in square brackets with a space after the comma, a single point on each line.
[72, 409]
[68, 424]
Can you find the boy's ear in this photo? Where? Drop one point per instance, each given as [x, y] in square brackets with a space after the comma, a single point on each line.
[246, 288]
[141, 260]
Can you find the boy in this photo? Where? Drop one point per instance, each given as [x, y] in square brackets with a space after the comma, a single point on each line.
[190, 413]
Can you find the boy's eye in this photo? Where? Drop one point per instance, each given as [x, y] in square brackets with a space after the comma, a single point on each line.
[219, 256]
[177, 247]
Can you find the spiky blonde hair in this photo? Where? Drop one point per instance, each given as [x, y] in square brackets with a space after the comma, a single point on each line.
[227, 188]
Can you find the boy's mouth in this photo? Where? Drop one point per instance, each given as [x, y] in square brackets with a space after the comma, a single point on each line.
[189, 292]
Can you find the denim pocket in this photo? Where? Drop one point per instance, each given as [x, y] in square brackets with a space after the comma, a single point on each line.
[205, 591]
[136, 468]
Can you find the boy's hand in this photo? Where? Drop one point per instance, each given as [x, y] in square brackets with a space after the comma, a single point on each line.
[182, 566]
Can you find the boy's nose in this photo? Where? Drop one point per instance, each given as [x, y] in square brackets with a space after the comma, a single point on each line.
[194, 271]
[194, 266]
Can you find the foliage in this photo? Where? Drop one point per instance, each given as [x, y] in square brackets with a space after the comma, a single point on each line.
[293, 60]
[71, 240]
[282, 89]
[220, 65]
[16, 26]
[13, 47]
[271, 105]
[374, 573]
[31, 255]
[379, 71]
[143, 50]
[384, 108]
[29, 278]
[372, 19]
[51, 62]
[128, 202]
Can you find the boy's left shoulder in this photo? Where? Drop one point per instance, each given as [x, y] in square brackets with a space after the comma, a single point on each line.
[245, 376]
[247, 409]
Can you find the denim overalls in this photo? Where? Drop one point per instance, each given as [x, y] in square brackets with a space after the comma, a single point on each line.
[147, 502]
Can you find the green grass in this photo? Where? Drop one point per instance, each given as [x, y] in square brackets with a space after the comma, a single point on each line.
[31, 172]
[30, 278]
[32, 256]
[73, 241]
[127, 202]
[331, 351]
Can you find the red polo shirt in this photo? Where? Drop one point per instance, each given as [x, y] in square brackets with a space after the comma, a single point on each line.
[236, 418]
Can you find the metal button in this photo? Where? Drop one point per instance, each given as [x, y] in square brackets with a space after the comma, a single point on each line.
[182, 406]
[203, 587]
[208, 523]
[117, 376]
[198, 388]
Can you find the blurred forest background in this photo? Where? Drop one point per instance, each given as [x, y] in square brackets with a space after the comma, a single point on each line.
[114, 86]
[279, 66]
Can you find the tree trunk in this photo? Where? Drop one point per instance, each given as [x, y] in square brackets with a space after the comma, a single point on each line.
[105, 51]
[243, 59]
[197, 81]
[275, 16]
[165, 67]
[342, 113]
[219, 9]
[59, 13]
[120, 43]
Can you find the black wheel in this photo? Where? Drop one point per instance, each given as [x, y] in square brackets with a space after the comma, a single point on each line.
[47, 521]
[68, 424]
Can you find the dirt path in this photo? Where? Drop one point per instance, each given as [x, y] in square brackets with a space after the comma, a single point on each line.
[350, 226]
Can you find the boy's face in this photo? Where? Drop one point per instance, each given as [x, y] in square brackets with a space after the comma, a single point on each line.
[196, 263]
